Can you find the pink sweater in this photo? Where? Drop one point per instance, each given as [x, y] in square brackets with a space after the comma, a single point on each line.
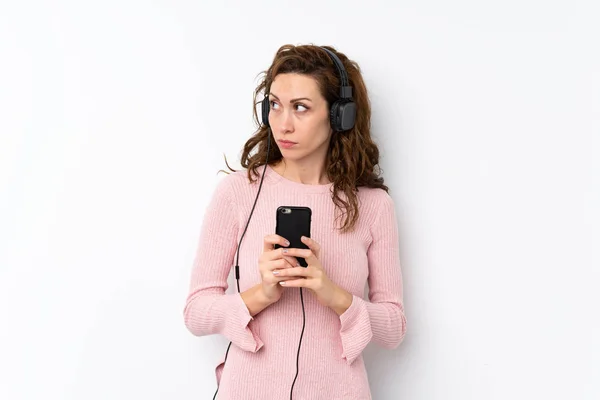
[261, 363]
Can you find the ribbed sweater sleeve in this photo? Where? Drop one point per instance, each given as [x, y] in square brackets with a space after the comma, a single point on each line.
[208, 309]
[382, 318]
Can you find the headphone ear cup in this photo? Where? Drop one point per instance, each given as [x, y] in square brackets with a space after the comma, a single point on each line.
[265, 108]
[342, 115]
[333, 116]
[346, 115]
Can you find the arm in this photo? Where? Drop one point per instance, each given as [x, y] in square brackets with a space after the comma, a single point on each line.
[382, 318]
[208, 309]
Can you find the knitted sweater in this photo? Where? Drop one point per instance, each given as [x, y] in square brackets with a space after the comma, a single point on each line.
[261, 363]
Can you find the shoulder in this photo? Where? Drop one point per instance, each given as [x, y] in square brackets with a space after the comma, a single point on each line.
[379, 211]
[375, 205]
[233, 179]
[225, 185]
[375, 198]
[233, 184]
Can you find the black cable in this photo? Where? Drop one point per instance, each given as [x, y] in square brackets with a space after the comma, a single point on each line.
[299, 343]
[237, 275]
[237, 261]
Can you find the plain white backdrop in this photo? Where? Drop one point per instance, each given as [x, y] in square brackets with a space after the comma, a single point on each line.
[114, 118]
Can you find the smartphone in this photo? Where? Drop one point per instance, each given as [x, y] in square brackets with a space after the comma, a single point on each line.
[293, 222]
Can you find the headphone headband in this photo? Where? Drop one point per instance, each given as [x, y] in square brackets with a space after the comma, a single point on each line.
[345, 88]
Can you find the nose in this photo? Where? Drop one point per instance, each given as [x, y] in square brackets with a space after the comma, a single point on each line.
[285, 122]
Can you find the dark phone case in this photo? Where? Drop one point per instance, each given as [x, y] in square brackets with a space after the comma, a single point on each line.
[293, 226]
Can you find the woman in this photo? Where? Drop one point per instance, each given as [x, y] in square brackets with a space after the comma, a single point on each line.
[299, 332]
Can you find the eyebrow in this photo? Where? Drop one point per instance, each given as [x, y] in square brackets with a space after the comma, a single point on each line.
[292, 100]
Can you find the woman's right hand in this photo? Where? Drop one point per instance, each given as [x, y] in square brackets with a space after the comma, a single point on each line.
[272, 259]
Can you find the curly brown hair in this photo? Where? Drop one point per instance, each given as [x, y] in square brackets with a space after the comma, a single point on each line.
[353, 157]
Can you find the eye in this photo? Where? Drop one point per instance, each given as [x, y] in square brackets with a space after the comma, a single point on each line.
[272, 104]
[302, 105]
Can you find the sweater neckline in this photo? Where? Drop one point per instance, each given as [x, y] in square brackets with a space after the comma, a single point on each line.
[286, 183]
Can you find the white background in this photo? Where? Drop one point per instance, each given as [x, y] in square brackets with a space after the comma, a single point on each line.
[114, 117]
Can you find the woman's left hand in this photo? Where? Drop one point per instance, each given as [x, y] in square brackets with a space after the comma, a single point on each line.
[314, 278]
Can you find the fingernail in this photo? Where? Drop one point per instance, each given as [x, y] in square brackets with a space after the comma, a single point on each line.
[282, 283]
[304, 238]
[275, 272]
[287, 243]
[285, 250]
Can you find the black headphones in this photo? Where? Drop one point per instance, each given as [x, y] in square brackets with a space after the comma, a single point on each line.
[342, 116]
[342, 113]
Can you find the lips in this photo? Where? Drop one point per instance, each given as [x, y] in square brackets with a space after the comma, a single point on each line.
[286, 144]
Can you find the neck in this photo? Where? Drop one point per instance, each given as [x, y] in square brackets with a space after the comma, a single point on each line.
[307, 172]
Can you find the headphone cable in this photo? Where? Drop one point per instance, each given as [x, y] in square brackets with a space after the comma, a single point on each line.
[237, 268]
[237, 275]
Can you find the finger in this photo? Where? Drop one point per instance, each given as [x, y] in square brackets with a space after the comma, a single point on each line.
[281, 252]
[278, 279]
[294, 252]
[272, 240]
[302, 282]
[281, 263]
[292, 262]
[274, 279]
[307, 254]
[297, 271]
[312, 245]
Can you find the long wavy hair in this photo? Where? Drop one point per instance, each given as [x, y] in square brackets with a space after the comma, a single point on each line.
[353, 157]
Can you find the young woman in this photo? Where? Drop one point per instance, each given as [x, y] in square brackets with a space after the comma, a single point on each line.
[299, 332]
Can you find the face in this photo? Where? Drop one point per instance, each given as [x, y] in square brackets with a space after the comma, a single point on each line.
[299, 117]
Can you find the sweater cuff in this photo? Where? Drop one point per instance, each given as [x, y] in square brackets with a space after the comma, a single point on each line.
[355, 330]
[237, 327]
